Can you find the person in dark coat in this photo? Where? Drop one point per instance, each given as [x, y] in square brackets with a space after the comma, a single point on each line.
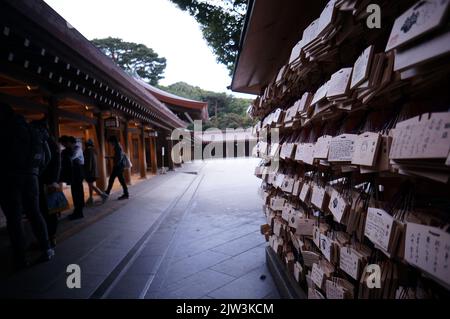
[24, 155]
[72, 161]
[48, 180]
[119, 161]
[91, 172]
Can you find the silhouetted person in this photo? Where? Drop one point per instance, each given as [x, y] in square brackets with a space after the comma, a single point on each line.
[119, 162]
[48, 181]
[91, 172]
[24, 155]
[72, 161]
[65, 175]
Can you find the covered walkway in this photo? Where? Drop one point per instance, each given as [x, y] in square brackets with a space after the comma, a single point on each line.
[191, 233]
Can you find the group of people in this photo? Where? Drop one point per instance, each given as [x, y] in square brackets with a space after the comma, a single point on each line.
[78, 165]
[33, 166]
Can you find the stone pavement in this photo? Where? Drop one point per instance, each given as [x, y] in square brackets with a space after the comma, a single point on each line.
[192, 233]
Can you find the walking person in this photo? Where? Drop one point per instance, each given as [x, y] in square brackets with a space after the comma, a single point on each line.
[65, 175]
[91, 172]
[48, 180]
[24, 155]
[119, 164]
[72, 163]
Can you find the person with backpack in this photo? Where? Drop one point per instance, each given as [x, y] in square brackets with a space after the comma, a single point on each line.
[26, 156]
[48, 180]
[73, 173]
[119, 163]
[91, 172]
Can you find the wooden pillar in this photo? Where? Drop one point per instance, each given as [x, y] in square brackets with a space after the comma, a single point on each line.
[169, 152]
[101, 158]
[126, 149]
[153, 156]
[142, 158]
[160, 144]
[87, 134]
[53, 119]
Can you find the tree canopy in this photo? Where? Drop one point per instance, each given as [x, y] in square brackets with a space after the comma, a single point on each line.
[231, 111]
[134, 58]
[221, 23]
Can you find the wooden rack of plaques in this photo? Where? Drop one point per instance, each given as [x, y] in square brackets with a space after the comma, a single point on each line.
[354, 141]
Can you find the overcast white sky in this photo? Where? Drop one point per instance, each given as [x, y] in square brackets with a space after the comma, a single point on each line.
[158, 24]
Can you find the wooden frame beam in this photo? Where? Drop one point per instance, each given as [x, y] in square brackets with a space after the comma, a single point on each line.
[23, 103]
[78, 98]
[76, 117]
[27, 104]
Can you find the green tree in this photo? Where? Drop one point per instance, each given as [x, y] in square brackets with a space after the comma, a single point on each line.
[231, 111]
[221, 23]
[134, 58]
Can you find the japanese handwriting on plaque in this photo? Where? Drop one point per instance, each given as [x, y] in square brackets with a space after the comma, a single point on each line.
[318, 195]
[339, 83]
[361, 67]
[422, 137]
[333, 290]
[303, 226]
[349, 262]
[428, 248]
[317, 275]
[366, 148]
[379, 227]
[308, 156]
[322, 146]
[342, 148]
